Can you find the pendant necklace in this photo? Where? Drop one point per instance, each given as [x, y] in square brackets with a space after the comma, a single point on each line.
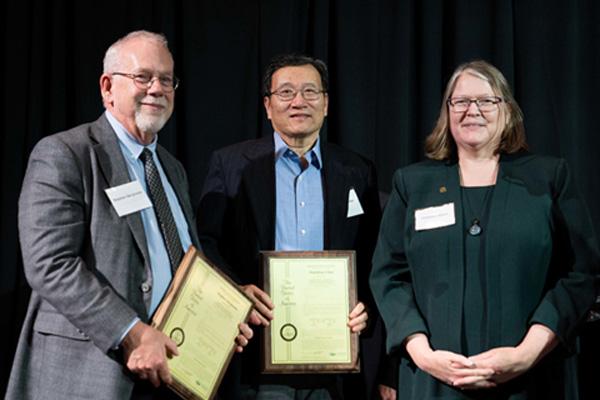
[475, 229]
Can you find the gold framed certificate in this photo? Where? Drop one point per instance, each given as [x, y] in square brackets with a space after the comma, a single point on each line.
[201, 312]
[313, 293]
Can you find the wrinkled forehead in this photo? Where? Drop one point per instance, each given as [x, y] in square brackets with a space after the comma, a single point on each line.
[296, 75]
[142, 54]
[480, 78]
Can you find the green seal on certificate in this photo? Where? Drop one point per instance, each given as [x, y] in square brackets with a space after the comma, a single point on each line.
[288, 332]
[178, 336]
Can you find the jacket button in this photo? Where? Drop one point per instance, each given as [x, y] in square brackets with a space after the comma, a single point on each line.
[145, 287]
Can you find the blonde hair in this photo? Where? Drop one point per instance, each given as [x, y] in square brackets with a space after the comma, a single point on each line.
[440, 145]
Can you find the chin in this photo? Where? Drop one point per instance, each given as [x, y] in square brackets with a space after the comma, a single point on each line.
[150, 123]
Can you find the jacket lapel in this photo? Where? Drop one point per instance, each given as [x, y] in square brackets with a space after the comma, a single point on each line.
[335, 189]
[494, 249]
[113, 167]
[455, 239]
[259, 184]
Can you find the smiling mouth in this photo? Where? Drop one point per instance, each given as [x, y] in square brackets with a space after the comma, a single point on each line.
[472, 125]
[153, 108]
[300, 116]
[153, 105]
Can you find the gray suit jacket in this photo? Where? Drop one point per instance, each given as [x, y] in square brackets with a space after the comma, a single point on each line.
[85, 265]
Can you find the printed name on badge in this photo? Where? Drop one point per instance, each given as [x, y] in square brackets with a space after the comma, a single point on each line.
[434, 217]
[128, 198]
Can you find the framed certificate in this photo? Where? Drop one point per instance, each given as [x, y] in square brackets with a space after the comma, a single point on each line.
[313, 293]
[201, 312]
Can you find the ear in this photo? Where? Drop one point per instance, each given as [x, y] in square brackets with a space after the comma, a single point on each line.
[106, 89]
[267, 104]
[326, 103]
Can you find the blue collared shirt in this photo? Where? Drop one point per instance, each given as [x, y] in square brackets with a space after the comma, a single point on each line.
[159, 259]
[299, 199]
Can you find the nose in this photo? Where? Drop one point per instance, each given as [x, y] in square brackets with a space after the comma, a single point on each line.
[155, 88]
[473, 109]
[298, 100]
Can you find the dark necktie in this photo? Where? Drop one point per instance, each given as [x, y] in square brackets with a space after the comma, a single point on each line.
[162, 210]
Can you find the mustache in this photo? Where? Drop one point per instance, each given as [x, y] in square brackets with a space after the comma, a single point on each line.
[159, 101]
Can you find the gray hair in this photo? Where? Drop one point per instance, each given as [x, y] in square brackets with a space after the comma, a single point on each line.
[111, 57]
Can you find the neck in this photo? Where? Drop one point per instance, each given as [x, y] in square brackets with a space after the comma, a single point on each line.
[478, 171]
[144, 138]
[300, 144]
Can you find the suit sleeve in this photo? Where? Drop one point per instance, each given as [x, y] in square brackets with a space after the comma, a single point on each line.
[576, 260]
[212, 214]
[391, 277]
[54, 237]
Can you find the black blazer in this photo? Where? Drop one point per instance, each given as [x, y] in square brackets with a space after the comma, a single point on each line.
[541, 259]
[236, 216]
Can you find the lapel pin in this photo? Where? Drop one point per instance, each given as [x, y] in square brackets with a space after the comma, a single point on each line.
[443, 189]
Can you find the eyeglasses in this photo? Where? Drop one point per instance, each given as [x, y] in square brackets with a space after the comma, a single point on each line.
[484, 104]
[288, 94]
[145, 81]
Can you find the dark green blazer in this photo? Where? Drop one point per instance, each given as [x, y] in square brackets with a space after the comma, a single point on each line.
[541, 257]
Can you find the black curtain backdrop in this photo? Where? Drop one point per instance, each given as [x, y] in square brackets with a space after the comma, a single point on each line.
[388, 60]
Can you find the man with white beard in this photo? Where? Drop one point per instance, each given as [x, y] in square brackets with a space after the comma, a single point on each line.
[98, 271]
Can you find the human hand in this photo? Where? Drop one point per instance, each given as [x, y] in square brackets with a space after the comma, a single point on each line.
[506, 362]
[386, 392]
[510, 362]
[146, 351]
[358, 318]
[450, 368]
[263, 306]
[244, 337]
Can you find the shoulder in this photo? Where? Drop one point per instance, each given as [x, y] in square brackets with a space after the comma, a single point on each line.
[246, 149]
[532, 168]
[342, 155]
[74, 142]
[424, 170]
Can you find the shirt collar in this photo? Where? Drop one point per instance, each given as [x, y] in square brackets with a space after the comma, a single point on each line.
[127, 140]
[313, 155]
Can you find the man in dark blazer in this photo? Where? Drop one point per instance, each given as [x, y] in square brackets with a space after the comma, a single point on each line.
[97, 263]
[292, 191]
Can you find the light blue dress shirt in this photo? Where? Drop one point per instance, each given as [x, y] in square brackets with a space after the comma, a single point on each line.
[299, 199]
[159, 259]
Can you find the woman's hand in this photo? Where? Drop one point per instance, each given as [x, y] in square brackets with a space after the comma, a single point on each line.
[510, 362]
[450, 368]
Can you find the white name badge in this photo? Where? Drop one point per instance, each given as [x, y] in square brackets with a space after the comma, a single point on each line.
[354, 207]
[128, 198]
[434, 217]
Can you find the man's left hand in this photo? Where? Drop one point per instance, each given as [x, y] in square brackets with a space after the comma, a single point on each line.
[358, 318]
[244, 337]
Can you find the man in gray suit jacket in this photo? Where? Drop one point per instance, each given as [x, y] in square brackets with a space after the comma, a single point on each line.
[97, 271]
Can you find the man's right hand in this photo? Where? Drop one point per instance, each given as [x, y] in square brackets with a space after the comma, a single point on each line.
[146, 352]
[263, 306]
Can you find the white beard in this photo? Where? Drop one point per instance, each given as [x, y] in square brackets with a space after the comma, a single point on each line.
[148, 122]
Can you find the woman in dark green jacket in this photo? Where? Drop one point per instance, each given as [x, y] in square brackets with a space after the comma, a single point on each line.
[486, 261]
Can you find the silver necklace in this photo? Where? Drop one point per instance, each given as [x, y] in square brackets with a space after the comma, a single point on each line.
[475, 228]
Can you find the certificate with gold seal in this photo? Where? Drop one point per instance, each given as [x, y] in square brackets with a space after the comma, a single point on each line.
[313, 293]
[201, 312]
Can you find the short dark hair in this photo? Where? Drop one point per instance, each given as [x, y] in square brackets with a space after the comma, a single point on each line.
[294, 60]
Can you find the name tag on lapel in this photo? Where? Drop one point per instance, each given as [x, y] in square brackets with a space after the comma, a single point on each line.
[354, 207]
[128, 198]
[434, 217]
